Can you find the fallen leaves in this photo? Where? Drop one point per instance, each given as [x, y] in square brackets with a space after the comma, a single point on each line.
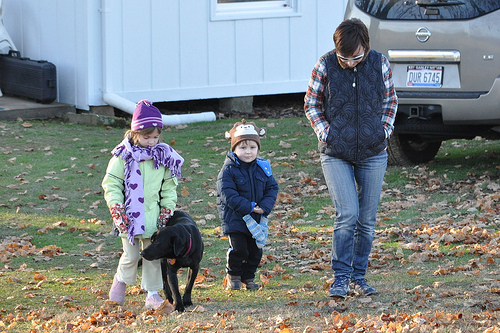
[11, 247]
[444, 241]
[285, 145]
[185, 191]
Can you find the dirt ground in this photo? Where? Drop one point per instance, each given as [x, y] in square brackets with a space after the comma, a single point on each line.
[269, 106]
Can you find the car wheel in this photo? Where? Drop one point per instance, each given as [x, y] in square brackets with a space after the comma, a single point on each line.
[406, 150]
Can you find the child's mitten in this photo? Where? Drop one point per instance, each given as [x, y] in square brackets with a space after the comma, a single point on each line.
[119, 216]
[256, 231]
[165, 215]
[261, 241]
[264, 225]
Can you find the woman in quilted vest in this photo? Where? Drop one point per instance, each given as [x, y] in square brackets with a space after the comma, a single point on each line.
[351, 104]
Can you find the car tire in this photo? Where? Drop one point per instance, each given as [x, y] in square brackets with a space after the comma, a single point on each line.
[407, 150]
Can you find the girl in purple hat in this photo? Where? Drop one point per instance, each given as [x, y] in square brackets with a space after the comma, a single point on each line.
[140, 188]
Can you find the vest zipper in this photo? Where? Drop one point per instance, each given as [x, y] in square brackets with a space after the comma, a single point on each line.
[354, 85]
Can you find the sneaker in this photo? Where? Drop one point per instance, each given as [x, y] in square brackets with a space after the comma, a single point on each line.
[154, 302]
[233, 282]
[363, 288]
[339, 287]
[250, 285]
[117, 291]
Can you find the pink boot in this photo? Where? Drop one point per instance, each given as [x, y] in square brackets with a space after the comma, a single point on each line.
[117, 291]
[154, 302]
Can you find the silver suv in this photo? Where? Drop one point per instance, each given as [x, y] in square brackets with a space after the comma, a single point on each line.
[445, 60]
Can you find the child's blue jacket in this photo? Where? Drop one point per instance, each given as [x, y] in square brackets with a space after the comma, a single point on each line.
[241, 186]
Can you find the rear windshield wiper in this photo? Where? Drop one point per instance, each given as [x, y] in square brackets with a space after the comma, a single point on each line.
[427, 3]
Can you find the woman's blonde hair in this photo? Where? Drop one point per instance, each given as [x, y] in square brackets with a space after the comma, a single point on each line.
[133, 136]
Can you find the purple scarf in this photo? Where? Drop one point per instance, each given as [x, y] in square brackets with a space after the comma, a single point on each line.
[162, 155]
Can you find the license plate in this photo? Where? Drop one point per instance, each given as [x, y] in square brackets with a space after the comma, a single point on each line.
[424, 76]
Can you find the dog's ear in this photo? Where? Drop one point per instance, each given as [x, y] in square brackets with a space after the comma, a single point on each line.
[178, 246]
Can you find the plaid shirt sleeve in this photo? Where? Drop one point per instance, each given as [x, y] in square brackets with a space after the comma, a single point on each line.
[390, 102]
[313, 101]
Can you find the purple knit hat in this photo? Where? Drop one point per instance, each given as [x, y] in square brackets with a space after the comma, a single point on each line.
[145, 115]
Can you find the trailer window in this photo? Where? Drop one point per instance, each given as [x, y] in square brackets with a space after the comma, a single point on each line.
[251, 9]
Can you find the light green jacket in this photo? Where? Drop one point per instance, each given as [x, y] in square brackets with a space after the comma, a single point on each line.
[160, 190]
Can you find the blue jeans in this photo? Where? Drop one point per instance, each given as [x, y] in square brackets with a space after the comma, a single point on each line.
[355, 191]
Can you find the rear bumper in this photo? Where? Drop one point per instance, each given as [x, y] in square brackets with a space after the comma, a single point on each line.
[468, 108]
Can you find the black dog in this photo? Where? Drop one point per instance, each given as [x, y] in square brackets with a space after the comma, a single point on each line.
[178, 244]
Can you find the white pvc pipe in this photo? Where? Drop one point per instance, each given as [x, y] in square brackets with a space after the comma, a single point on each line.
[119, 102]
[168, 120]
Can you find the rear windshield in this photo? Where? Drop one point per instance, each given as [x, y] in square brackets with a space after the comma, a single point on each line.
[427, 9]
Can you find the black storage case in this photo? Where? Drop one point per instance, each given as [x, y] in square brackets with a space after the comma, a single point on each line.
[24, 77]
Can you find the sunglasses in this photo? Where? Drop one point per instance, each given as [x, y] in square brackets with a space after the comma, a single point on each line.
[356, 58]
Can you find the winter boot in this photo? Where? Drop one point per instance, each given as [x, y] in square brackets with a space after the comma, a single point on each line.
[233, 282]
[250, 285]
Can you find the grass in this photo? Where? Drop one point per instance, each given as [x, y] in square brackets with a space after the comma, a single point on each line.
[434, 259]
